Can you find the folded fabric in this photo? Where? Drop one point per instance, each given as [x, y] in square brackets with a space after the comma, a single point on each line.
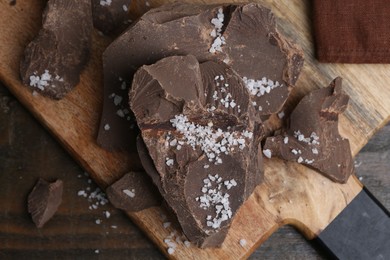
[352, 31]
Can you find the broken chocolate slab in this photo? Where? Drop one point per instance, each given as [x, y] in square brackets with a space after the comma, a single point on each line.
[243, 36]
[313, 138]
[200, 141]
[44, 200]
[111, 17]
[53, 61]
[133, 193]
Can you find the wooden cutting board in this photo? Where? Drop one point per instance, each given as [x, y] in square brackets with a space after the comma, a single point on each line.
[291, 193]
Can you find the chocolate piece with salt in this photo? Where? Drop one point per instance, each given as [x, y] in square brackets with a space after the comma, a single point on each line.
[200, 141]
[53, 61]
[44, 200]
[313, 138]
[111, 17]
[133, 193]
[242, 36]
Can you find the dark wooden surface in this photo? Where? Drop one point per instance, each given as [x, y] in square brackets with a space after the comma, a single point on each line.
[28, 151]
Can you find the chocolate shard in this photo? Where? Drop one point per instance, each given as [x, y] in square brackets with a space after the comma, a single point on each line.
[53, 61]
[313, 138]
[111, 17]
[200, 141]
[243, 36]
[44, 200]
[133, 193]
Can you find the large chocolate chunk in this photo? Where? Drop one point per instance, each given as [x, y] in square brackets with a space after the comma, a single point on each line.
[44, 200]
[242, 36]
[132, 192]
[200, 141]
[53, 61]
[313, 138]
[111, 17]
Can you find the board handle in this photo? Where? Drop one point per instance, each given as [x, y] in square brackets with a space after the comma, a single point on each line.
[360, 231]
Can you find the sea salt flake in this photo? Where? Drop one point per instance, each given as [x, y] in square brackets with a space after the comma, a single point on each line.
[130, 193]
[267, 153]
[105, 2]
[243, 242]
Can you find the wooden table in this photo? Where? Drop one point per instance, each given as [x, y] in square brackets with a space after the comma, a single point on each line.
[28, 151]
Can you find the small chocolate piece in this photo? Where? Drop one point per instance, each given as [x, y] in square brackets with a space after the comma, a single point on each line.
[133, 193]
[111, 17]
[53, 61]
[242, 36]
[313, 138]
[43, 201]
[200, 141]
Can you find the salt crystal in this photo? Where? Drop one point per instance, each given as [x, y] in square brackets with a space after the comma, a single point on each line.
[243, 242]
[300, 159]
[267, 153]
[125, 8]
[106, 127]
[166, 224]
[129, 193]
[169, 162]
[285, 140]
[281, 114]
[171, 250]
[105, 2]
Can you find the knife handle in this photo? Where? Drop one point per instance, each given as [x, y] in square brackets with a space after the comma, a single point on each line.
[360, 231]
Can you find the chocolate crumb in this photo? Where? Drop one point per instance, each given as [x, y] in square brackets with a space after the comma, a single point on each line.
[44, 200]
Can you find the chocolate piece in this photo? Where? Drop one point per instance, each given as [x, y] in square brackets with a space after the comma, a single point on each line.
[111, 17]
[201, 141]
[53, 61]
[43, 201]
[243, 36]
[133, 193]
[313, 138]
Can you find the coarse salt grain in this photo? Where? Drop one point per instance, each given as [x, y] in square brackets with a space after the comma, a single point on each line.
[285, 140]
[281, 114]
[130, 193]
[106, 127]
[267, 153]
[171, 250]
[166, 224]
[243, 242]
[212, 142]
[105, 2]
[169, 162]
[215, 198]
[260, 87]
[300, 159]
[125, 8]
[216, 33]
[43, 80]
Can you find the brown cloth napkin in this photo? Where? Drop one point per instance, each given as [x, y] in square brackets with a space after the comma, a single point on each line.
[352, 31]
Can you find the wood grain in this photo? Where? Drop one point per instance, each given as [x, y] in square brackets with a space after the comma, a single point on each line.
[291, 194]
